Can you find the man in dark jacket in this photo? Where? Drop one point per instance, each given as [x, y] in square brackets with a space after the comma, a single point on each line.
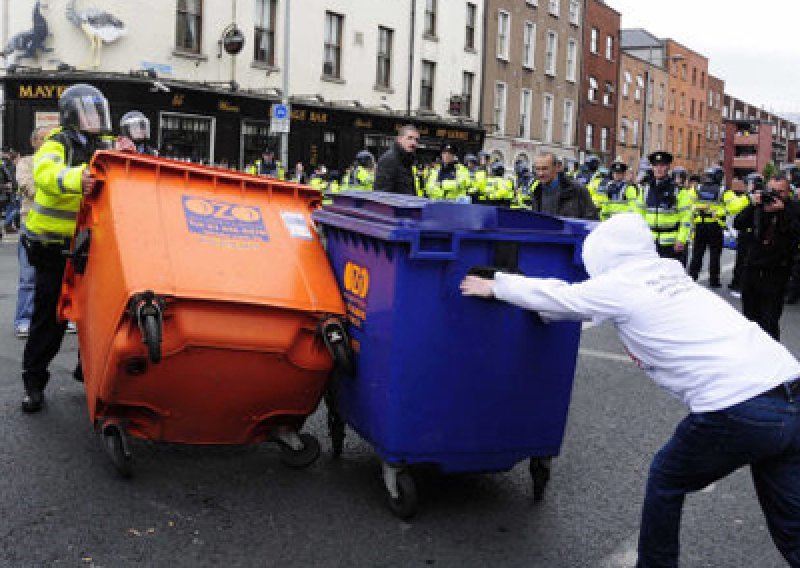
[395, 170]
[773, 223]
[556, 194]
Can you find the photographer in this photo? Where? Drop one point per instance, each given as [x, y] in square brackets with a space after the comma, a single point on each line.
[772, 224]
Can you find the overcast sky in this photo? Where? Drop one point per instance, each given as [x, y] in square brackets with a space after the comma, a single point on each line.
[753, 47]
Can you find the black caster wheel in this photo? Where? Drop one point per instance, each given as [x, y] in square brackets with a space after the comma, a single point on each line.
[298, 459]
[336, 431]
[540, 474]
[404, 506]
[116, 447]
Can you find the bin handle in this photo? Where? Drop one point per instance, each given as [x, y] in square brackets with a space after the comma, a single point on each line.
[421, 250]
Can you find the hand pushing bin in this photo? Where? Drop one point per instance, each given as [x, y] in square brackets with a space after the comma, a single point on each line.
[465, 384]
[198, 295]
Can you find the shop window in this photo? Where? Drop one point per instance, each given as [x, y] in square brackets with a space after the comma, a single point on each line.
[187, 137]
[255, 139]
[189, 25]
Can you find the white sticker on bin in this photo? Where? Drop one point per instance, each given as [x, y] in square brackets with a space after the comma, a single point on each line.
[296, 224]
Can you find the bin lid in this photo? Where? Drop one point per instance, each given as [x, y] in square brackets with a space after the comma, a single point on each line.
[351, 209]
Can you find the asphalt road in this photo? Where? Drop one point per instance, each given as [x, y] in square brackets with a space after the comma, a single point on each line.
[62, 504]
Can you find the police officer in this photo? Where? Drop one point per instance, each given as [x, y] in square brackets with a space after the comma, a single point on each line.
[135, 126]
[666, 208]
[450, 180]
[477, 175]
[616, 195]
[680, 176]
[499, 190]
[713, 204]
[62, 178]
[523, 186]
[362, 174]
[268, 166]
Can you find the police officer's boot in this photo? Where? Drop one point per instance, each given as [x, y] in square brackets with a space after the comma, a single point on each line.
[33, 401]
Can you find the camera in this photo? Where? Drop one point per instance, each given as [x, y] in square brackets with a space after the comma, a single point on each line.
[768, 196]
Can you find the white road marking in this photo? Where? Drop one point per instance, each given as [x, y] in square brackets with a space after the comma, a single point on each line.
[608, 355]
[624, 555]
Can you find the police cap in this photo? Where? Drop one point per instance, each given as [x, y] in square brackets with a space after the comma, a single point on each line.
[619, 167]
[660, 157]
[448, 148]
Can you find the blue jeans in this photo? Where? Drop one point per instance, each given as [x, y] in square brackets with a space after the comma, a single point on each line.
[25, 290]
[764, 433]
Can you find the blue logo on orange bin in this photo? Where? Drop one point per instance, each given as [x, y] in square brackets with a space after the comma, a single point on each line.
[224, 219]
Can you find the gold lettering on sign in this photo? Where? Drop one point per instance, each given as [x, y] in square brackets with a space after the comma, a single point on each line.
[227, 107]
[319, 117]
[299, 115]
[41, 91]
[360, 123]
[177, 100]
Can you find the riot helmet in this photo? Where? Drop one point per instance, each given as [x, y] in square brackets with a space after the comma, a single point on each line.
[84, 108]
[471, 159]
[680, 174]
[135, 126]
[592, 162]
[497, 169]
[364, 158]
[792, 173]
[714, 175]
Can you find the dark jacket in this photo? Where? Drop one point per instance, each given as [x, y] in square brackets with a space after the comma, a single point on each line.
[394, 172]
[574, 199]
[772, 238]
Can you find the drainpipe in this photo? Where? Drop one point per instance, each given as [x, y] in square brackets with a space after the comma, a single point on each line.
[412, 34]
[482, 82]
[285, 85]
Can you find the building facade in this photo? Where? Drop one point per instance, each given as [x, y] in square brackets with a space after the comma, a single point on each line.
[600, 74]
[532, 57]
[715, 127]
[642, 113]
[355, 74]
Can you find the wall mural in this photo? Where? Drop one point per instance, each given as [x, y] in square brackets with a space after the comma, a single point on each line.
[26, 45]
[100, 27]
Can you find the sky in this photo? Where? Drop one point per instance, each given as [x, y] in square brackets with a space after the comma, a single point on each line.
[756, 53]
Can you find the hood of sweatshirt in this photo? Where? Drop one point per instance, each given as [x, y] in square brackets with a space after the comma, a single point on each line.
[624, 238]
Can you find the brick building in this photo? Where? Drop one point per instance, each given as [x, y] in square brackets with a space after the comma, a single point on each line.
[715, 144]
[600, 74]
[532, 62]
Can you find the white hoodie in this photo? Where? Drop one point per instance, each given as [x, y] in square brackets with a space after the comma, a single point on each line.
[686, 338]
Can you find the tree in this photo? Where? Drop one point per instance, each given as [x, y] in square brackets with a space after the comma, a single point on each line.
[770, 169]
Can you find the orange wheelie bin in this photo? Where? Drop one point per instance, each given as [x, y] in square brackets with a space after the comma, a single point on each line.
[207, 311]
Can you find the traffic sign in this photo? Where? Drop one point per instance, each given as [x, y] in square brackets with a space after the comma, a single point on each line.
[280, 111]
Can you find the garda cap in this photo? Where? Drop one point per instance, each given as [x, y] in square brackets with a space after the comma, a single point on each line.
[619, 167]
[660, 157]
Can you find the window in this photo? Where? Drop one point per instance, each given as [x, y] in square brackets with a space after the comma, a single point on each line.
[189, 26]
[660, 137]
[426, 85]
[637, 94]
[604, 139]
[593, 44]
[331, 66]
[694, 76]
[671, 140]
[574, 12]
[264, 37]
[626, 84]
[547, 118]
[710, 98]
[680, 142]
[572, 56]
[700, 112]
[467, 81]
[384, 74]
[725, 113]
[551, 49]
[592, 89]
[503, 32]
[635, 133]
[429, 25]
[683, 72]
[610, 48]
[623, 132]
[188, 137]
[662, 95]
[683, 103]
[607, 92]
[499, 108]
[567, 126]
[691, 109]
[589, 135]
[672, 101]
[528, 45]
[650, 92]
[469, 38]
[689, 145]
[554, 7]
[525, 100]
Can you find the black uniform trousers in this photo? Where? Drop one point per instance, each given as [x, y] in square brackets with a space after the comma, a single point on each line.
[763, 288]
[668, 251]
[46, 332]
[707, 236]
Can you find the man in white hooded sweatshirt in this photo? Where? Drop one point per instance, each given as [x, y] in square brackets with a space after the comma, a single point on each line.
[742, 387]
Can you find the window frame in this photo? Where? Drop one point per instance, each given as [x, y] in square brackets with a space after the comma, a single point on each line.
[525, 113]
[503, 35]
[572, 60]
[529, 45]
[471, 26]
[551, 59]
[547, 118]
[426, 65]
[384, 58]
[183, 16]
[567, 126]
[335, 48]
[500, 108]
[268, 32]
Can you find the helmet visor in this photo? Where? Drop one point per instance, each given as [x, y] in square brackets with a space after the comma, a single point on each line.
[136, 128]
[92, 113]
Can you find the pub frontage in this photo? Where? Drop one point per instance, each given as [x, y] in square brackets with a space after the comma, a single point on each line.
[215, 124]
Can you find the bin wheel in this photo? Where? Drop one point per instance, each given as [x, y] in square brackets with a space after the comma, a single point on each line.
[343, 357]
[336, 431]
[116, 448]
[404, 506]
[298, 459]
[152, 337]
[540, 474]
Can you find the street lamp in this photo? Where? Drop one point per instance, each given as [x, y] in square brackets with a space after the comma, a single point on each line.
[647, 94]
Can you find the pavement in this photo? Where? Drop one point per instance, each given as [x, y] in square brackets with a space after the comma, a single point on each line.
[62, 503]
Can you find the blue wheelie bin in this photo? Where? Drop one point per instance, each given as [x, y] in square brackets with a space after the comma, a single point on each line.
[464, 384]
